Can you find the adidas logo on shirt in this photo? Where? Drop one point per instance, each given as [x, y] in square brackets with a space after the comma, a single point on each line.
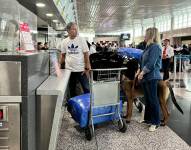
[73, 49]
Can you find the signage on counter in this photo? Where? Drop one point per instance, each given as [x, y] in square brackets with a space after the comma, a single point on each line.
[26, 37]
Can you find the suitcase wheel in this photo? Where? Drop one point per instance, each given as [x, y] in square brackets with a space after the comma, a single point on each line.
[89, 133]
[138, 105]
[122, 127]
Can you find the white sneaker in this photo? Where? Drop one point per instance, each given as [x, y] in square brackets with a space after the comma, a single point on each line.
[153, 128]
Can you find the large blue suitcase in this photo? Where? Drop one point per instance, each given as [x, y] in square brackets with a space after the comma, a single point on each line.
[79, 108]
[130, 52]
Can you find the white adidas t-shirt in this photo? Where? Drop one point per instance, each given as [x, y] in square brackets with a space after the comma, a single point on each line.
[74, 50]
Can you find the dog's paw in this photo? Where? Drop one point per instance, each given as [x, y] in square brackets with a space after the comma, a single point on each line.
[128, 121]
[124, 116]
[162, 124]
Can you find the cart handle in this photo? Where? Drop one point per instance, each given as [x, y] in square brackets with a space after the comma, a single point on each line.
[109, 69]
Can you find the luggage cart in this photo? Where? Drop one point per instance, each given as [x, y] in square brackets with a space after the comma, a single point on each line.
[105, 92]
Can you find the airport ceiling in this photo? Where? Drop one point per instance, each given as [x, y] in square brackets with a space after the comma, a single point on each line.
[43, 20]
[104, 16]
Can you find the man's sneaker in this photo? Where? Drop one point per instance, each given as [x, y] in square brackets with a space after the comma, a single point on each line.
[153, 128]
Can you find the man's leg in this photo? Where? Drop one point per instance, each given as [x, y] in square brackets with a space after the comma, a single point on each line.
[84, 82]
[166, 65]
[72, 84]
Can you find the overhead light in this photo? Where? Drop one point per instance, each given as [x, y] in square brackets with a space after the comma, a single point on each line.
[49, 15]
[55, 21]
[40, 4]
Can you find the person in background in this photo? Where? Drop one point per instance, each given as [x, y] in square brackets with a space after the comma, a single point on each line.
[92, 49]
[149, 77]
[116, 46]
[105, 47]
[45, 47]
[94, 45]
[177, 49]
[75, 54]
[39, 46]
[112, 47]
[167, 56]
[189, 48]
[142, 45]
[89, 45]
[185, 50]
[98, 47]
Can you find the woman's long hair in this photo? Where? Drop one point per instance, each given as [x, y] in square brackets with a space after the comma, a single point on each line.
[153, 36]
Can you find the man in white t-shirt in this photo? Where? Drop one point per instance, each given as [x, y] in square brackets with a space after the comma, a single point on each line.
[167, 54]
[75, 55]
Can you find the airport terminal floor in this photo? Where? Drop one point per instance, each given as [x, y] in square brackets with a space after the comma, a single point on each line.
[176, 135]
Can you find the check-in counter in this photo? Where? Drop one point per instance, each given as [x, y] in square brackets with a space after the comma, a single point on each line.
[51, 96]
[10, 124]
[21, 74]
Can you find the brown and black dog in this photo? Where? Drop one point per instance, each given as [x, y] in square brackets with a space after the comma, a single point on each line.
[113, 60]
[132, 91]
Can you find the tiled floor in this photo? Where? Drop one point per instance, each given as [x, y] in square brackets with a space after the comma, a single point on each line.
[181, 124]
[137, 137]
[182, 93]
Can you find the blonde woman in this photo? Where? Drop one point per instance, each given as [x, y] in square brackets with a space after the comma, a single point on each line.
[149, 77]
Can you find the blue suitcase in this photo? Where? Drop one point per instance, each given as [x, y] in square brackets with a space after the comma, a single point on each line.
[130, 52]
[79, 108]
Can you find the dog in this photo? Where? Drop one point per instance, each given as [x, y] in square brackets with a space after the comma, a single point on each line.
[132, 91]
[114, 60]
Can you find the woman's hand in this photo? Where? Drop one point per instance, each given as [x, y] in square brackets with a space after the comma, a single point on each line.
[140, 76]
[137, 73]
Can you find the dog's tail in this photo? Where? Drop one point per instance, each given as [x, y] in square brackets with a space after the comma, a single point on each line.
[173, 97]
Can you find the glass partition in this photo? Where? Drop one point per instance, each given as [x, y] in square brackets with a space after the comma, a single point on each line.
[9, 28]
[11, 15]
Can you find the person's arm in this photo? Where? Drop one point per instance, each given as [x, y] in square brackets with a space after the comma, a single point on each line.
[140, 75]
[63, 53]
[56, 64]
[87, 61]
[171, 52]
[62, 58]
